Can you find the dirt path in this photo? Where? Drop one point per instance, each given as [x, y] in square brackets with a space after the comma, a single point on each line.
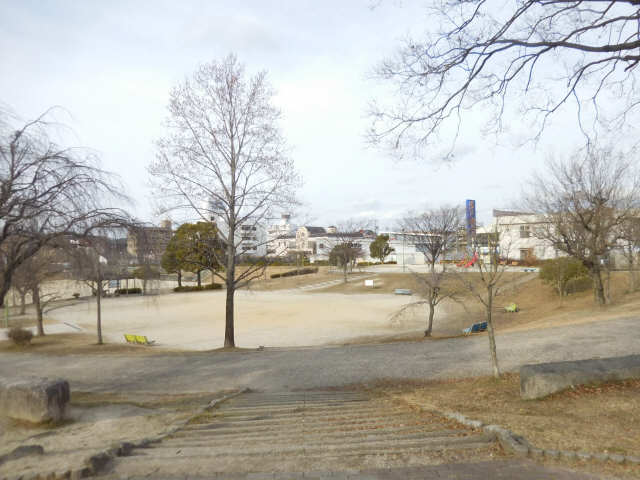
[285, 369]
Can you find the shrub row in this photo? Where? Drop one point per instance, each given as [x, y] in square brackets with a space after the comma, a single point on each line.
[293, 273]
[127, 291]
[196, 288]
[20, 336]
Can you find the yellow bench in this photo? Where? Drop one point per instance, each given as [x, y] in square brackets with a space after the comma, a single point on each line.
[138, 339]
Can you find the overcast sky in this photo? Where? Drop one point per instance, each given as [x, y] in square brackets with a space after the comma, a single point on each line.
[111, 65]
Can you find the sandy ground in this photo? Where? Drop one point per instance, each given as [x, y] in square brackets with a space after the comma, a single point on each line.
[274, 319]
[94, 422]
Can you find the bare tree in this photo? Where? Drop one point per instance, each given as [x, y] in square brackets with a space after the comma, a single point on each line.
[582, 204]
[541, 55]
[435, 233]
[96, 260]
[346, 245]
[489, 283]
[46, 192]
[223, 159]
[30, 276]
[147, 258]
[630, 238]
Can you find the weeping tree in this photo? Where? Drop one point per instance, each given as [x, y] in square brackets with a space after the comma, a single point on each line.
[223, 159]
[47, 193]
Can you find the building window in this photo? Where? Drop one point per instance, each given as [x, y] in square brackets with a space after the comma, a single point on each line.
[525, 232]
[526, 253]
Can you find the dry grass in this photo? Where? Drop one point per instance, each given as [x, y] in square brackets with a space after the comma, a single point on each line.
[266, 283]
[541, 307]
[78, 343]
[596, 419]
[604, 418]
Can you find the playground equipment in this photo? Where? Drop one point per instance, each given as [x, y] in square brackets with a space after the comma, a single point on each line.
[466, 263]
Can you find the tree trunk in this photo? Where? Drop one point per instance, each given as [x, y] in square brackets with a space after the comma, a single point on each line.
[229, 333]
[179, 278]
[38, 306]
[345, 269]
[427, 332]
[492, 338]
[199, 279]
[99, 309]
[23, 303]
[598, 287]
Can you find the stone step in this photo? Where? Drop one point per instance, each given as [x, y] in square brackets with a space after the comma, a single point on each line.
[365, 426]
[496, 469]
[302, 394]
[333, 439]
[296, 402]
[374, 429]
[363, 407]
[270, 448]
[400, 419]
[303, 415]
[207, 465]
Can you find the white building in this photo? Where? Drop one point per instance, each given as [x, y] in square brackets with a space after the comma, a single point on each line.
[315, 243]
[280, 238]
[520, 236]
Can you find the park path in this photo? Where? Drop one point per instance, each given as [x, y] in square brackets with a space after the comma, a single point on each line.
[324, 434]
[327, 284]
[281, 369]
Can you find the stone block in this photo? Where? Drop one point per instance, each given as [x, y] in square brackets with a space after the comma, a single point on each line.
[537, 381]
[34, 400]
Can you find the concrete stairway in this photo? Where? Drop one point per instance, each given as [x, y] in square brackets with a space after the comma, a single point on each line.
[304, 432]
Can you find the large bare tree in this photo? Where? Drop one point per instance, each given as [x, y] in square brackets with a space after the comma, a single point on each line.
[434, 233]
[223, 159]
[583, 204]
[46, 193]
[493, 55]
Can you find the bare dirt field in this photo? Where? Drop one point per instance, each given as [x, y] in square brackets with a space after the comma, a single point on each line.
[195, 321]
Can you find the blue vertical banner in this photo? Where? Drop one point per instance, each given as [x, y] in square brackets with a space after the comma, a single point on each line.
[471, 218]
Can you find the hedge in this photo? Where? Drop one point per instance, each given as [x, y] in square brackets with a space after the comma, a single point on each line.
[196, 288]
[293, 273]
[127, 291]
[20, 336]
